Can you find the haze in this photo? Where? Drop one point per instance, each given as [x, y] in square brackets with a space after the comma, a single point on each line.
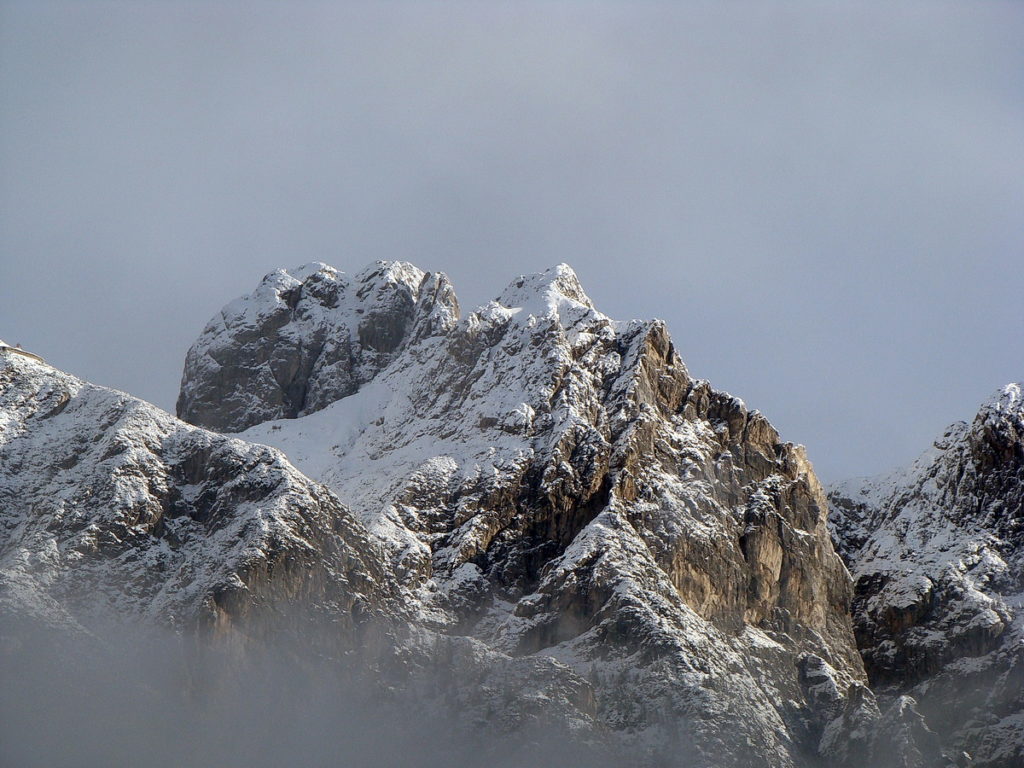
[822, 200]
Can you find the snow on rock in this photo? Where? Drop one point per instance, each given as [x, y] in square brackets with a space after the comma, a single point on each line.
[569, 526]
[113, 509]
[937, 555]
[555, 485]
[306, 338]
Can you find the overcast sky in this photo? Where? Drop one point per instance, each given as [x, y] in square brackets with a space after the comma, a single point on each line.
[825, 201]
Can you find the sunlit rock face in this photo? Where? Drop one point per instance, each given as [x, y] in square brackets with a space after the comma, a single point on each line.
[555, 485]
[937, 554]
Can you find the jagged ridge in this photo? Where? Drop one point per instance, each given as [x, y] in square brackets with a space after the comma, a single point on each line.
[937, 553]
[304, 339]
[114, 509]
[569, 520]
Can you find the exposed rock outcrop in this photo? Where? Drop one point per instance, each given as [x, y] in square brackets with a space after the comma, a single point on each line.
[306, 338]
[116, 511]
[555, 485]
[569, 529]
[937, 553]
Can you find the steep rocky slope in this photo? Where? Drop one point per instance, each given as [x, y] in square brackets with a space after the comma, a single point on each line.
[115, 510]
[304, 340]
[937, 554]
[554, 485]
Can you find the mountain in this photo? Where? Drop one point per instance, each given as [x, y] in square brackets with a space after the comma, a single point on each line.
[304, 340]
[114, 509]
[554, 484]
[533, 512]
[937, 555]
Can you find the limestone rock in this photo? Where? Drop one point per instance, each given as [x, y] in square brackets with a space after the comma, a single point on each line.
[937, 553]
[304, 339]
[568, 527]
[554, 484]
[116, 511]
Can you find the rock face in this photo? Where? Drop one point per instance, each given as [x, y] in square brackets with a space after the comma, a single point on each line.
[937, 554]
[307, 338]
[555, 486]
[113, 509]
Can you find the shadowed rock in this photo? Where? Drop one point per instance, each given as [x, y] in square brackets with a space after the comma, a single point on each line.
[937, 552]
[304, 339]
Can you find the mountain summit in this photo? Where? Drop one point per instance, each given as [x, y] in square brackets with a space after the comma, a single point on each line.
[306, 338]
[937, 552]
[556, 486]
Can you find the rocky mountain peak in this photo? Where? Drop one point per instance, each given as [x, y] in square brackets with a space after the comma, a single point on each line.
[937, 555]
[306, 338]
[113, 510]
[567, 523]
[553, 483]
[997, 432]
[1008, 399]
[542, 292]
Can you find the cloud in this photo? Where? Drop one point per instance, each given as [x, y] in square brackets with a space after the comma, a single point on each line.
[821, 199]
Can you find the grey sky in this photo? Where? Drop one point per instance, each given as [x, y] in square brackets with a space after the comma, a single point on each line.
[824, 200]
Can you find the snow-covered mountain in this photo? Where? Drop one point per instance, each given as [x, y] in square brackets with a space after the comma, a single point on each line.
[307, 338]
[937, 555]
[114, 509]
[555, 485]
[535, 502]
